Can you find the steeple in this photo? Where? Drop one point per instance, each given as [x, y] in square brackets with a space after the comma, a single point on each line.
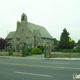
[23, 18]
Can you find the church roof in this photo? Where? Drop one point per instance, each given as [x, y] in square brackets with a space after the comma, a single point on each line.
[10, 35]
[43, 31]
[32, 27]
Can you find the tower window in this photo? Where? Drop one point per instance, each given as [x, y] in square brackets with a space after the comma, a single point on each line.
[22, 17]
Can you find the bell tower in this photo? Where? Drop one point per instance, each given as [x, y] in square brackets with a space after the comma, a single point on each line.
[23, 18]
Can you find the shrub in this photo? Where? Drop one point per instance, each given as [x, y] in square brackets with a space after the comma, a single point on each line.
[65, 51]
[14, 50]
[2, 50]
[42, 48]
[58, 49]
[10, 53]
[78, 49]
[36, 51]
[73, 51]
[25, 52]
[29, 50]
[38, 47]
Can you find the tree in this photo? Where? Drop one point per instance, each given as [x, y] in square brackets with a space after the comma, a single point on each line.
[64, 41]
[78, 43]
[55, 41]
[3, 43]
[72, 44]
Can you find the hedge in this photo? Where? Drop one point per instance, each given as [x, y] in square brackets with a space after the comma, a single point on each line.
[36, 51]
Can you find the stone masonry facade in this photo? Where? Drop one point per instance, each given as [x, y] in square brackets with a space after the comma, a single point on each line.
[28, 34]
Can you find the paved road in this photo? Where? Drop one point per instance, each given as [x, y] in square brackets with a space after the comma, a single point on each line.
[31, 69]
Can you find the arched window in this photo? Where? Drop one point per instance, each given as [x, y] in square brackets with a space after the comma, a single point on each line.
[22, 17]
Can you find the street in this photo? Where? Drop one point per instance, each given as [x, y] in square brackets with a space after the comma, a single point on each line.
[35, 69]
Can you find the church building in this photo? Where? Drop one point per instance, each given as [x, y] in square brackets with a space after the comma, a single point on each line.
[28, 33]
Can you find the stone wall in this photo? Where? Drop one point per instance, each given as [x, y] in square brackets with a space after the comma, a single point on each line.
[4, 53]
[7, 54]
[64, 55]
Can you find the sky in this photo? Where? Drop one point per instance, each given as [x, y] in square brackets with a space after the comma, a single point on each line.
[54, 15]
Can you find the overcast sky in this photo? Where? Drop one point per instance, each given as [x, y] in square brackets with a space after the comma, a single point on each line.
[54, 15]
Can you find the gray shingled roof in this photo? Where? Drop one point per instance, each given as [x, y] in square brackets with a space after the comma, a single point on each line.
[43, 31]
[32, 27]
[10, 35]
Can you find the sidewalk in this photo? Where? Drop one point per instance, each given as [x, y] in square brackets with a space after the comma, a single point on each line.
[40, 57]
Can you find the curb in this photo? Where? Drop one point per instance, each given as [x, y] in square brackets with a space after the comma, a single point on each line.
[9, 57]
[67, 59]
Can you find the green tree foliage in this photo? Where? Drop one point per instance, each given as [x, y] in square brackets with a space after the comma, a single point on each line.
[25, 52]
[42, 48]
[55, 41]
[76, 50]
[72, 44]
[3, 43]
[78, 43]
[64, 41]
